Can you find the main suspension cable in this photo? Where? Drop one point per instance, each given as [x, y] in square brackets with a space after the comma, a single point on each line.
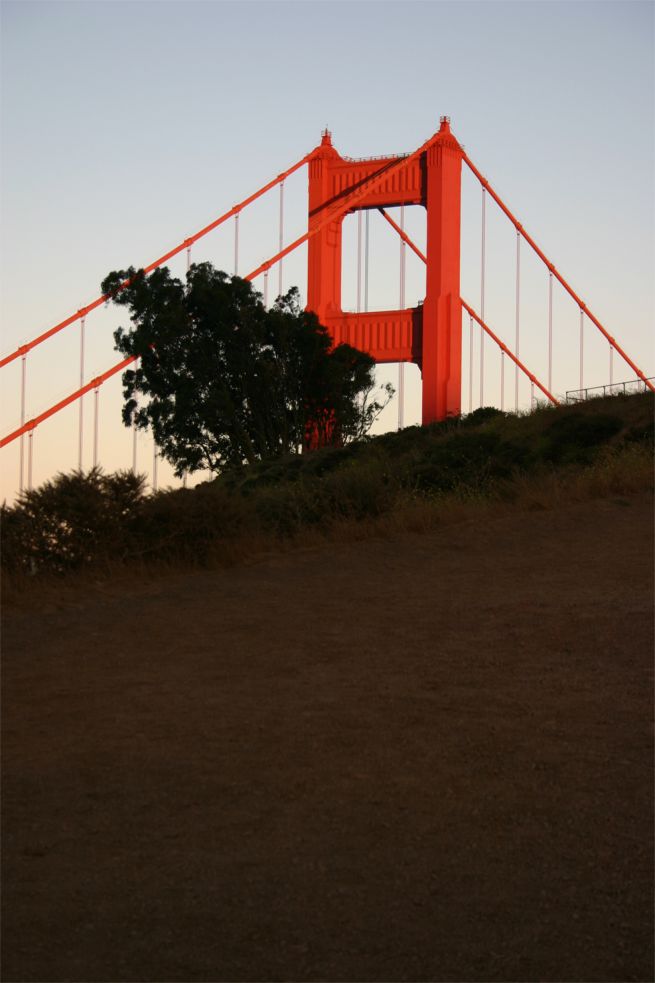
[88, 387]
[508, 352]
[487, 330]
[403, 235]
[578, 300]
[346, 204]
[23, 349]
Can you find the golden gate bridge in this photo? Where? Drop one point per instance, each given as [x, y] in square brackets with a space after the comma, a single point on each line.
[430, 335]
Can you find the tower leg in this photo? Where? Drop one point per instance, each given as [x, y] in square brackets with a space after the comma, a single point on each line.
[442, 319]
[324, 248]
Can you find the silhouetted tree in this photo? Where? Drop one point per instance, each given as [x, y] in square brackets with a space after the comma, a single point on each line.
[222, 380]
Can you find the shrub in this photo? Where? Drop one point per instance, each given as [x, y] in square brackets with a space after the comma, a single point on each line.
[183, 525]
[572, 438]
[71, 521]
[482, 415]
[463, 458]
[548, 456]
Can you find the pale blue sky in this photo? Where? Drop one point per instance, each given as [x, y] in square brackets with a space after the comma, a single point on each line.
[127, 126]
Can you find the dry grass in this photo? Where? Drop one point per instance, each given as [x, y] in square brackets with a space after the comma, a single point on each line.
[99, 529]
[628, 471]
[421, 757]
[624, 472]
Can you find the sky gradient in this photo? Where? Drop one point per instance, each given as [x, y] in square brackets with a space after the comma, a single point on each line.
[128, 126]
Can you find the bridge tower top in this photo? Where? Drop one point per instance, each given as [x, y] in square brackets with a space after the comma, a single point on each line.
[429, 335]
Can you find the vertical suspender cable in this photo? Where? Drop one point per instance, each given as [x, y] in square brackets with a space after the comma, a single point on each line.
[550, 331]
[359, 260]
[96, 394]
[482, 269]
[154, 468]
[366, 242]
[279, 282]
[532, 401]
[401, 366]
[80, 449]
[611, 365]
[402, 259]
[266, 289]
[517, 325]
[23, 367]
[581, 349]
[470, 363]
[188, 258]
[30, 437]
[236, 244]
[502, 379]
[134, 427]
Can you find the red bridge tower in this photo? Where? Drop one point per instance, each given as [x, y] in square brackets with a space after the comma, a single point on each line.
[429, 335]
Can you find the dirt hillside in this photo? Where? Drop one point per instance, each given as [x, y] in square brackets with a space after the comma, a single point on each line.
[427, 758]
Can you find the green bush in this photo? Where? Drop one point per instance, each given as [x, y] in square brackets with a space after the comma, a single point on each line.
[573, 438]
[482, 415]
[463, 458]
[183, 525]
[71, 521]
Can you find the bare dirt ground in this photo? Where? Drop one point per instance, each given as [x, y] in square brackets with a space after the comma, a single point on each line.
[420, 759]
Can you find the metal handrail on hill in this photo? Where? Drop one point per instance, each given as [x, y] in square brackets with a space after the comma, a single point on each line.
[613, 389]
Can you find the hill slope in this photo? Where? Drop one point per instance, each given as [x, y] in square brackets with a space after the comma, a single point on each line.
[411, 479]
[421, 758]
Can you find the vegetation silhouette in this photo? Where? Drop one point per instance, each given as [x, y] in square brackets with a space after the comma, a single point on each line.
[70, 521]
[222, 381]
[412, 479]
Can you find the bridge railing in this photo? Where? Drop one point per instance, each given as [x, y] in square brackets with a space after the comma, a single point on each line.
[613, 389]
